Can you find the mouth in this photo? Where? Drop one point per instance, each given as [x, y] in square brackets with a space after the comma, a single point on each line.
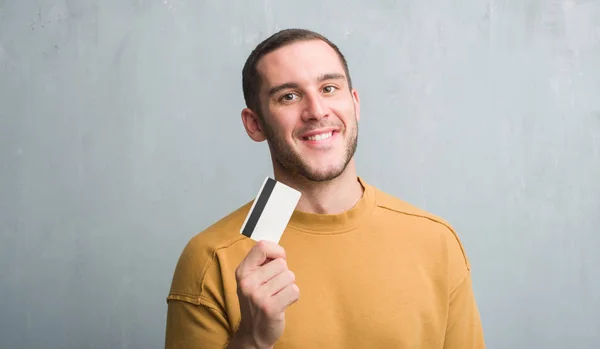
[319, 136]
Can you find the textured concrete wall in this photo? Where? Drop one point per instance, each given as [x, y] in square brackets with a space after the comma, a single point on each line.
[120, 138]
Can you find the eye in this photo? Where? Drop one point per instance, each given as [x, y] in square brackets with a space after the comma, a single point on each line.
[329, 89]
[288, 97]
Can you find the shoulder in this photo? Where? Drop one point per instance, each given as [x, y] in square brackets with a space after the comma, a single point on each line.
[424, 221]
[198, 260]
[402, 208]
[220, 234]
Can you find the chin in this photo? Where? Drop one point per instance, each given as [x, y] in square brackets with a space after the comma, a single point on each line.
[322, 175]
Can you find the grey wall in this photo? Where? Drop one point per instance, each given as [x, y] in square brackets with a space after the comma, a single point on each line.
[120, 138]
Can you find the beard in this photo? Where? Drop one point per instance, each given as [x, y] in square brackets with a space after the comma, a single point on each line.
[293, 162]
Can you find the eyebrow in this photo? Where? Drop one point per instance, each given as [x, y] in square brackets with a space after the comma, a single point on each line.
[324, 77]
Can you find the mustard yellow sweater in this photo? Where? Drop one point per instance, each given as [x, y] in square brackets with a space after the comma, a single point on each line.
[382, 275]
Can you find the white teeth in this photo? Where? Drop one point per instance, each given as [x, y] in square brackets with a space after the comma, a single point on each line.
[320, 137]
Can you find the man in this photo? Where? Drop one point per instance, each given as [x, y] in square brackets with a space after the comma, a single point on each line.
[355, 268]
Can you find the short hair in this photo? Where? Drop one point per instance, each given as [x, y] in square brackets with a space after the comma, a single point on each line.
[251, 81]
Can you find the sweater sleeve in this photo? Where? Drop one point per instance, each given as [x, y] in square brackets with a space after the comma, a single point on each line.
[191, 325]
[463, 329]
[463, 323]
[197, 316]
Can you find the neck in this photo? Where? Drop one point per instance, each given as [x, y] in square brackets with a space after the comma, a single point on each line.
[329, 197]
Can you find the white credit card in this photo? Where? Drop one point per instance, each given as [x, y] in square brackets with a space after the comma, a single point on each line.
[271, 211]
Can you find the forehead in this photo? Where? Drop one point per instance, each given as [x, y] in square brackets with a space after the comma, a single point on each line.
[302, 61]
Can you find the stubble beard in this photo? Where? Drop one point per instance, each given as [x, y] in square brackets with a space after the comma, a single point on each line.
[293, 163]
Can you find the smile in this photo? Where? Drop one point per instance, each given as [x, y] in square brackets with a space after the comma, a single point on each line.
[319, 137]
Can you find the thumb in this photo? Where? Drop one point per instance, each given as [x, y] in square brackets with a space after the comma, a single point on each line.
[263, 252]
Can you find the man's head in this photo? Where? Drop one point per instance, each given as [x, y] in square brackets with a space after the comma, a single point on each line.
[299, 98]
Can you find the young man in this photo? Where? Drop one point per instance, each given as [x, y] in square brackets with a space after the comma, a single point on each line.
[355, 268]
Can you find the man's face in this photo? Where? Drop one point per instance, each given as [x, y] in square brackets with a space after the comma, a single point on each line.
[310, 114]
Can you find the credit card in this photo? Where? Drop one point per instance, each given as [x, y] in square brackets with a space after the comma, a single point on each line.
[271, 211]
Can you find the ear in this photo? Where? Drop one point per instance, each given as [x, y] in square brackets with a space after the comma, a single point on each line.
[253, 125]
[356, 100]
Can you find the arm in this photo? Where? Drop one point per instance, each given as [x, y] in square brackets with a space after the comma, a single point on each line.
[265, 289]
[193, 325]
[196, 315]
[199, 326]
[463, 330]
[463, 325]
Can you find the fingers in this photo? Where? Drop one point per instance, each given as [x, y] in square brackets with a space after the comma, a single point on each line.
[265, 289]
[276, 295]
[261, 252]
[286, 297]
[264, 250]
[256, 278]
[279, 282]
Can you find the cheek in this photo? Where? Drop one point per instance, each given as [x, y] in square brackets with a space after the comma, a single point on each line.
[281, 125]
[346, 112]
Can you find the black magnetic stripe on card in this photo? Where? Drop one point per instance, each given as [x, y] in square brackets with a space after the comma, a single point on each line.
[261, 202]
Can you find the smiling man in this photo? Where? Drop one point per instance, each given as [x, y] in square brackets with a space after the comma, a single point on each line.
[355, 268]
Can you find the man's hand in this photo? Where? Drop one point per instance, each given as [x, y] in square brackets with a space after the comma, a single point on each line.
[265, 289]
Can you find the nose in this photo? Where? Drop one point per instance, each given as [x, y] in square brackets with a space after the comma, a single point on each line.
[315, 108]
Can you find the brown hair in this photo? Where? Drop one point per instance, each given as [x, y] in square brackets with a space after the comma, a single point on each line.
[251, 79]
